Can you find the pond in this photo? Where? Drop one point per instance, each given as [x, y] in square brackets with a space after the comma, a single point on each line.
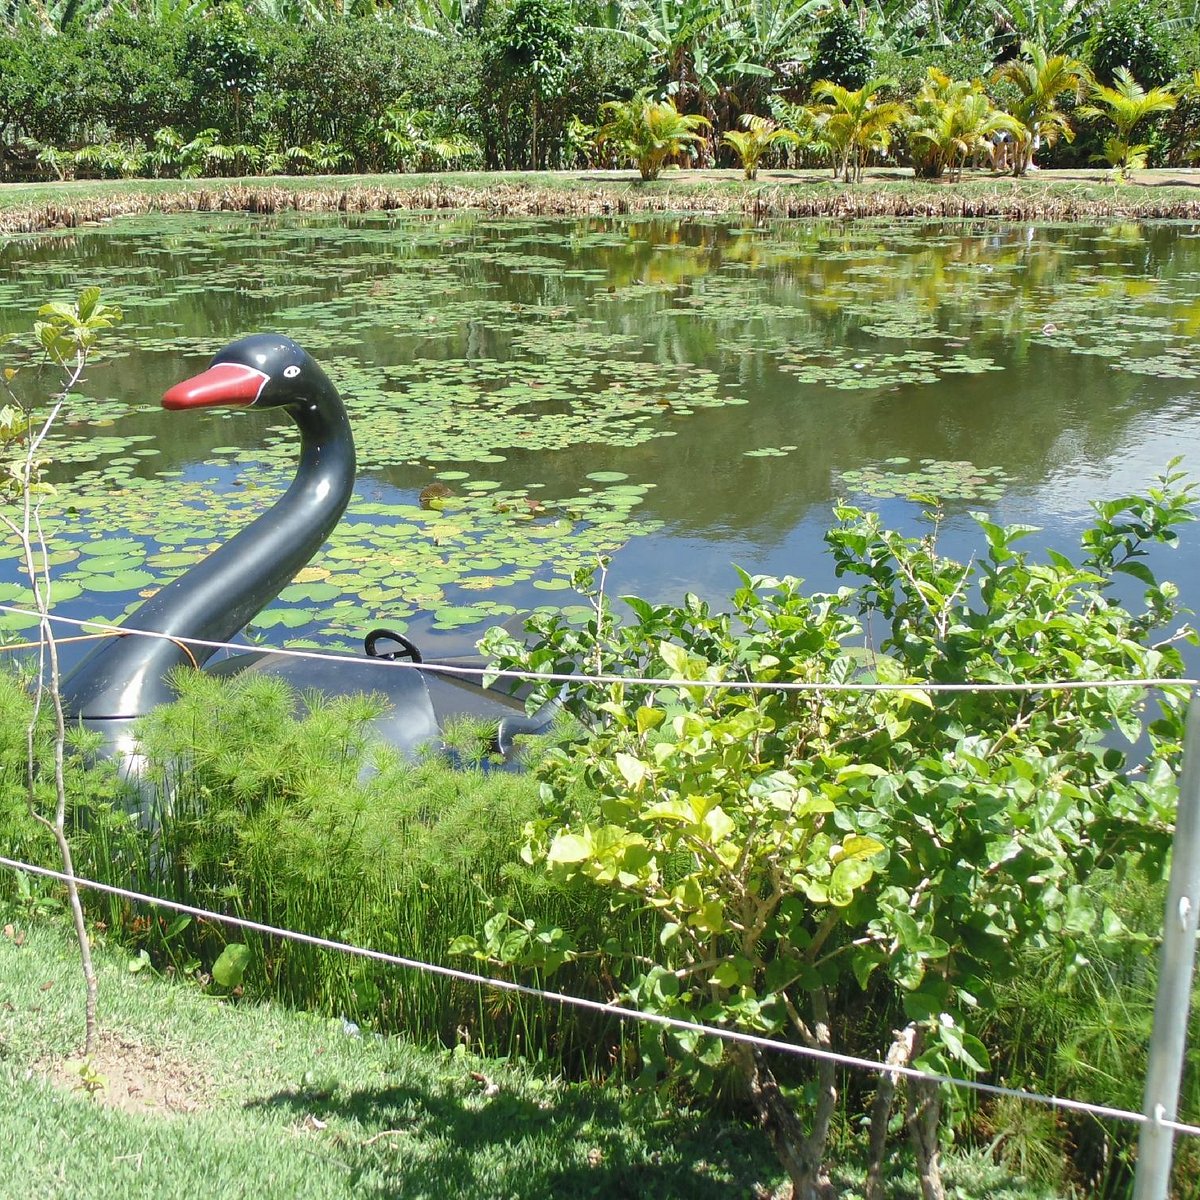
[682, 395]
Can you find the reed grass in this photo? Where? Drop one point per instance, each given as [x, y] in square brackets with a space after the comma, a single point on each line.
[299, 821]
[1081, 196]
[1076, 1022]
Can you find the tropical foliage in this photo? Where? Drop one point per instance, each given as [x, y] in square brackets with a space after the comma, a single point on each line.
[950, 122]
[1126, 105]
[1042, 81]
[755, 138]
[856, 123]
[815, 856]
[650, 131]
[299, 85]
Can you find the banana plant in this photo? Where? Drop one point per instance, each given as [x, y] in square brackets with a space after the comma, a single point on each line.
[172, 13]
[1126, 104]
[1058, 25]
[755, 138]
[675, 34]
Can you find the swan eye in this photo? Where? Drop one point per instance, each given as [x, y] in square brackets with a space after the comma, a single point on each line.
[290, 372]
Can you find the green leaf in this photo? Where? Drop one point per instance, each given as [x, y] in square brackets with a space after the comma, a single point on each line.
[231, 965]
[848, 876]
[649, 718]
[859, 846]
[569, 848]
[1138, 570]
[633, 770]
[676, 659]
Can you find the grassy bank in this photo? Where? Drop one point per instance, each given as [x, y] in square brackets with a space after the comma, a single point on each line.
[1051, 196]
[194, 1096]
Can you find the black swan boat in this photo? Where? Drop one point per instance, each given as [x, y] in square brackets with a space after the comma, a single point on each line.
[125, 678]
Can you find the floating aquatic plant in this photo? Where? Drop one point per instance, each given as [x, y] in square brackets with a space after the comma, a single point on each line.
[942, 479]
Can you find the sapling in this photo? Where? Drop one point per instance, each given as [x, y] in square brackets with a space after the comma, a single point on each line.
[67, 335]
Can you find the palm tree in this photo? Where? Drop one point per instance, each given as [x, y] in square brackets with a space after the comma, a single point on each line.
[951, 119]
[755, 138]
[1126, 104]
[1042, 82]
[650, 131]
[854, 123]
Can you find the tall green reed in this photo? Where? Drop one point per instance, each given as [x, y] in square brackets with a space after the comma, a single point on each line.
[300, 821]
[1076, 1023]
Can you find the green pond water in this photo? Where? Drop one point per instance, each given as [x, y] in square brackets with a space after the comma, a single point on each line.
[682, 395]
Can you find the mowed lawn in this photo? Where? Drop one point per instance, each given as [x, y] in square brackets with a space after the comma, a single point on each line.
[191, 1095]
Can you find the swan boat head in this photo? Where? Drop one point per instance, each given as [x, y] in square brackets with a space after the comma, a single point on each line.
[125, 678]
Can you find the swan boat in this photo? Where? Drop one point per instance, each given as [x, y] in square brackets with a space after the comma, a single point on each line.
[124, 678]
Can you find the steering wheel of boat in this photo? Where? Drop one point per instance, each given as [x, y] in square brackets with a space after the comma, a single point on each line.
[404, 649]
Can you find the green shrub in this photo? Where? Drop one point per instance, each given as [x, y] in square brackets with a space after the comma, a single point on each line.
[600, 68]
[133, 79]
[227, 64]
[39, 96]
[823, 861]
[333, 82]
[844, 54]
[960, 60]
[1131, 35]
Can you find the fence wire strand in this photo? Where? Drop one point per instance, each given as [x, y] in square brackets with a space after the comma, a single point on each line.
[565, 1000]
[1052, 685]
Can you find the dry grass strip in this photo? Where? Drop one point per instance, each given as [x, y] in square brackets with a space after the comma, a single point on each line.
[1051, 202]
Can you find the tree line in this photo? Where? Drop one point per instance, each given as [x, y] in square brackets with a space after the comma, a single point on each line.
[237, 87]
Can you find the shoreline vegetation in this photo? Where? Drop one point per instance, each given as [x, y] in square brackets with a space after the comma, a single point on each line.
[1054, 196]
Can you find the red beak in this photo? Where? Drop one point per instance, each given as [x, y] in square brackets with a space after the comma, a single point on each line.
[223, 384]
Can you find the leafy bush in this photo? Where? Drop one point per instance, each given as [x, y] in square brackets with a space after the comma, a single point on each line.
[134, 77]
[1131, 35]
[39, 93]
[821, 862]
[333, 82]
[599, 68]
[526, 62]
[844, 54]
[228, 66]
[968, 59]
[650, 131]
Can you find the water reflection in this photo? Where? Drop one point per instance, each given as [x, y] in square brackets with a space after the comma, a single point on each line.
[738, 378]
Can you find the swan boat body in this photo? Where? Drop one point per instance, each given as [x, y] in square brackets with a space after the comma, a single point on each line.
[124, 678]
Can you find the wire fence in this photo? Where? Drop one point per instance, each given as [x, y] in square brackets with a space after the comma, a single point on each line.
[1158, 1119]
[602, 679]
[609, 1009]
